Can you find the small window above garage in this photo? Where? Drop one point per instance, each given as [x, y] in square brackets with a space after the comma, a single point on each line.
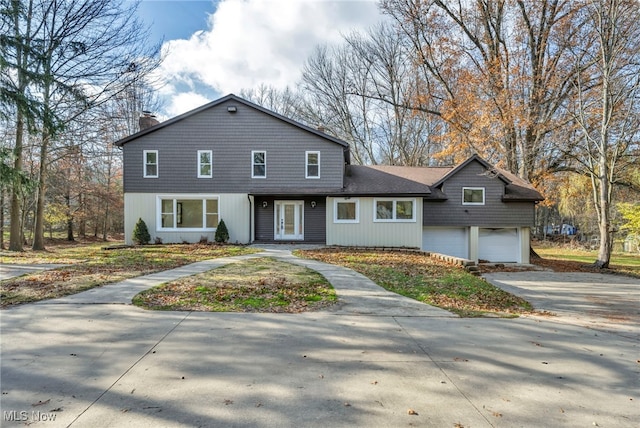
[473, 196]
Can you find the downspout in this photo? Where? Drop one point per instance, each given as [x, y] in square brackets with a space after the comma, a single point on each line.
[250, 216]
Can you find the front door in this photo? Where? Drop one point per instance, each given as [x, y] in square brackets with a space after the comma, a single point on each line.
[288, 216]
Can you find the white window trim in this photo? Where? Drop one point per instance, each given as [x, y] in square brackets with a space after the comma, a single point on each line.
[175, 198]
[393, 213]
[253, 152]
[344, 200]
[200, 175]
[474, 188]
[306, 164]
[144, 164]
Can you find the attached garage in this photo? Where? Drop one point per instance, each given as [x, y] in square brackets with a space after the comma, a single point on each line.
[499, 245]
[452, 241]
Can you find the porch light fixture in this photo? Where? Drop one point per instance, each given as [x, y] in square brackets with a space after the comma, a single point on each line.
[264, 204]
[313, 204]
[232, 109]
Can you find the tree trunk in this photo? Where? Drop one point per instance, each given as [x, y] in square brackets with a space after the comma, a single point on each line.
[16, 236]
[38, 238]
[606, 235]
[15, 228]
[1, 218]
[82, 223]
[47, 132]
[69, 218]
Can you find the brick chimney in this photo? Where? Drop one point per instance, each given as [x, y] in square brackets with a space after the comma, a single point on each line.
[147, 120]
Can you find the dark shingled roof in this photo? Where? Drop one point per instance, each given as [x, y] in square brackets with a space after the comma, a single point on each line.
[519, 189]
[384, 180]
[426, 181]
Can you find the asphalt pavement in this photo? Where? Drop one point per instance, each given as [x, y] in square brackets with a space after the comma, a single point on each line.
[375, 360]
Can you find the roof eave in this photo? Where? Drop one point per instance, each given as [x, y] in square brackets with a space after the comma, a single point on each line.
[475, 157]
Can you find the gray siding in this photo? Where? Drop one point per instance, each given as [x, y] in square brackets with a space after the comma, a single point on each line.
[314, 219]
[494, 213]
[263, 219]
[315, 223]
[231, 137]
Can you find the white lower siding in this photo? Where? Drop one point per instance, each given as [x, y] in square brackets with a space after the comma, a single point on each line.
[367, 233]
[474, 243]
[233, 208]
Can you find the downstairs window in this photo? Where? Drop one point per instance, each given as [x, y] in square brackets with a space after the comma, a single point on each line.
[187, 213]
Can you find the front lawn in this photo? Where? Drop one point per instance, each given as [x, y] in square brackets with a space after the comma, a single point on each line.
[257, 285]
[425, 279]
[89, 266]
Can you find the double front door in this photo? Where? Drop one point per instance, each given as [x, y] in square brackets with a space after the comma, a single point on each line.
[288, 220]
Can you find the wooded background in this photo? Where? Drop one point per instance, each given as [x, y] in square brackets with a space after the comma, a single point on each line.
[545, 89]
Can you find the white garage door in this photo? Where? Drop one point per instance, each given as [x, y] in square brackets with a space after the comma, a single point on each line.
[452, 241]
[499, 245]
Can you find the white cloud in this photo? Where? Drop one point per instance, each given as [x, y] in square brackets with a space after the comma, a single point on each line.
[250, 42]
[184, 101]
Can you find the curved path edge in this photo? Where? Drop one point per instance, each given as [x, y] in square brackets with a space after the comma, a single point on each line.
[357, 294]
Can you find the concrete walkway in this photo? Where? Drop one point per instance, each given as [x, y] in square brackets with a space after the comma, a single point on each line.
[8, 271]
[94, 360]
[356, 293]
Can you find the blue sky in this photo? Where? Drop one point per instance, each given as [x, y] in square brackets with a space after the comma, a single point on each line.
[212, 48]
[173, 19]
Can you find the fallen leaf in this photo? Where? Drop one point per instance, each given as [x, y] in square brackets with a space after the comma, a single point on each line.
[40, 403]
[412, 412]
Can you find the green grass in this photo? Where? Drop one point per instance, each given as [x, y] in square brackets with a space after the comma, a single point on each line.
[622, 262]
[257, 285]
[427, 280]
[88, 266]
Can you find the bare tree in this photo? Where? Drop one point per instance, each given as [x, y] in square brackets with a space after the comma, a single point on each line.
[285, 102]
[607, 106]
[17, 72]
[84, 52]
[497, 72]
[362, 92]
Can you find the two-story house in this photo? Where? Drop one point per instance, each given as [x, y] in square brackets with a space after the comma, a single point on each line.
[275, 180]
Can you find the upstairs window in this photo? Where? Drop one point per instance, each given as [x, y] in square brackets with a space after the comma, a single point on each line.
[313, 165]
[150, 163]
[205, 164]
[394, 210]
[473, 196]
[258, 164]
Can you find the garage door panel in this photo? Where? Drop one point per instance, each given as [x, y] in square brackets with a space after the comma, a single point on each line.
[499, 245]
[452, 241]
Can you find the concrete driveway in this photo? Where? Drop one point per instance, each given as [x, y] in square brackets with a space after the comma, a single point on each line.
[598, 301]
[376, 361]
